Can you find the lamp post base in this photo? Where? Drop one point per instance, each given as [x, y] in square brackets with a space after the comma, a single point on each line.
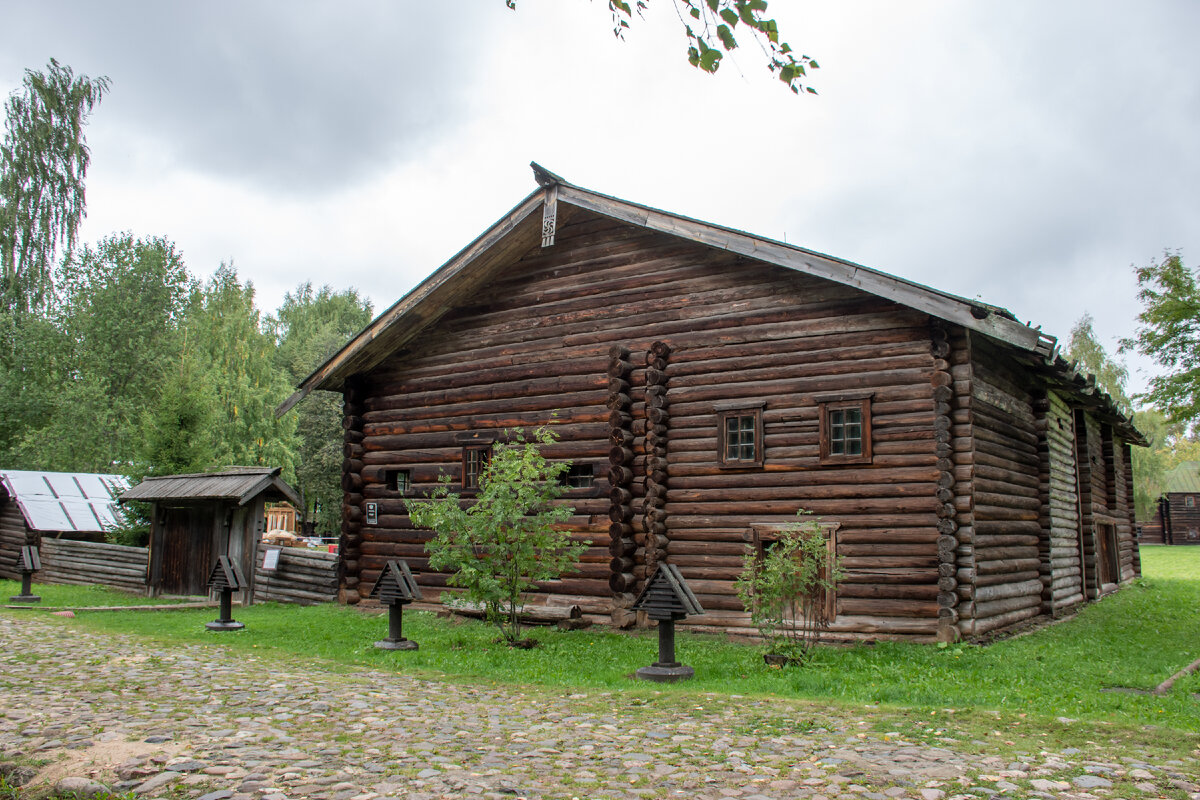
[224, 625]
[666, 673]
[397, 644]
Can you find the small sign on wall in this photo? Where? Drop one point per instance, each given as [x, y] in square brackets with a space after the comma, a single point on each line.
[271, 559]
[372, 510]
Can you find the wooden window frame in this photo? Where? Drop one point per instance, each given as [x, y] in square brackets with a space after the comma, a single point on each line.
[486, 451]
[726, 411]
[858, 402]
[564, 479]
[391, 481]
[762, 535]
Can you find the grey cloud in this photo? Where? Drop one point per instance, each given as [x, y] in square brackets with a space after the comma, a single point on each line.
[291, 96]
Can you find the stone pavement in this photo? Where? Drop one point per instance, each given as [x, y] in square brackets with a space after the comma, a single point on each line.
[199, 722]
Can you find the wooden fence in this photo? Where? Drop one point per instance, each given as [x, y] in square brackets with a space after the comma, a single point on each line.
[300, 576]
[92, 563]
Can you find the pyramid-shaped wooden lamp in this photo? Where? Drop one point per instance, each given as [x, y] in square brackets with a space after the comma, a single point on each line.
[226, 578]
[666, 599]
[396, 587]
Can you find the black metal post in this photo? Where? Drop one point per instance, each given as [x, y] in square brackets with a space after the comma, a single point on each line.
[26, 595]
[666, 644]
[225, 622]
[395, 639]
[395, 622]
[666, 669]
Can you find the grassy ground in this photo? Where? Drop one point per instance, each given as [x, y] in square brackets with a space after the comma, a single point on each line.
[1134, 639]
[64, 596]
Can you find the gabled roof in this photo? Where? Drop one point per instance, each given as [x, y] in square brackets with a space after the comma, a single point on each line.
[1183, 479]
[65, 501]
[521, 228]
[236, 484]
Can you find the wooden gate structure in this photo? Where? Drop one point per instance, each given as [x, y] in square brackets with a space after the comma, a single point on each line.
[196, 518]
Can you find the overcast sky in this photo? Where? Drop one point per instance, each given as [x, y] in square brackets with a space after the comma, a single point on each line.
[1026, 153]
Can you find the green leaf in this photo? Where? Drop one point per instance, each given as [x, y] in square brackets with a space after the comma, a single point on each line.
[730, 16]
[726, 37]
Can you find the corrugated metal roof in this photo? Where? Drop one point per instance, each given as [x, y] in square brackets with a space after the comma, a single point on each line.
[239, 484]
[66, 501]
[1185, 478]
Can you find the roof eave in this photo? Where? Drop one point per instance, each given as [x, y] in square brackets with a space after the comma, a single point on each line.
[342, 364]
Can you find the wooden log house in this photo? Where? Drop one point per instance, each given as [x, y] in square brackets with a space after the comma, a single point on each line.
[706, 384]
[1178, 509]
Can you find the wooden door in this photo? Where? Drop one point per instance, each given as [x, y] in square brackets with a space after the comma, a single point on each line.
[187, 550]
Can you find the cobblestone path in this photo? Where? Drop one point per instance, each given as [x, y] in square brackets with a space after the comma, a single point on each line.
[200, 722]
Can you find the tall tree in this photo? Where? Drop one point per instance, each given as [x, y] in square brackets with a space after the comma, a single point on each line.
[43, 161]
[1092, 358]
[710, 27]
[310, 327]
[117, 312]
[1169, 333]
[235, 356]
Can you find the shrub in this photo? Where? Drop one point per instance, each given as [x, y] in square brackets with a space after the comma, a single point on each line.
[505, 541]
[783, 588]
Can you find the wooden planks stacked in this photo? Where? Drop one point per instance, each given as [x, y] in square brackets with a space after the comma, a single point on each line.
[655, 531]
[13, 536]
[1008, 586]
[1060, 554]
[301, 576]
[622, 545]
[949, 523]
[93, 563]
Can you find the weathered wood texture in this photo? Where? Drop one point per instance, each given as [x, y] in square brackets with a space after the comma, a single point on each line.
[1180, 519]
[1106, 506]
[1061, 558]
[13, 536]
[631, 344]
[301, 576]
[537, 348]
[1005, 493]
[93, 564]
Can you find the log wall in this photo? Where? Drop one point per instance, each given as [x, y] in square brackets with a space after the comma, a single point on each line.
[1061, 558]
[693, 328]
[93, 564]
[301, 576]
[1007, 558]
[13, 536]
[1182, 520]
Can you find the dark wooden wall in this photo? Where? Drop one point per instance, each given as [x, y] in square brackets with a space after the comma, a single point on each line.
[1062, 561]
[13, 536]
[1006, 493]
[630, 343]
[1184, 520]
[540, 343]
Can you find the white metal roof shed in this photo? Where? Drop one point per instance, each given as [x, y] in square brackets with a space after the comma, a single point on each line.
[65, 501]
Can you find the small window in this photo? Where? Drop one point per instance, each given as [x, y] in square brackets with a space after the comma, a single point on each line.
[741, 438]
[398, 480]
[474, 464]
[1189, 501]
[578, 476]
[846, 430]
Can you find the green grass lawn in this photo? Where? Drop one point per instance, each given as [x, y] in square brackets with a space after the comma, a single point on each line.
[1134, 639]
[65, 596]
